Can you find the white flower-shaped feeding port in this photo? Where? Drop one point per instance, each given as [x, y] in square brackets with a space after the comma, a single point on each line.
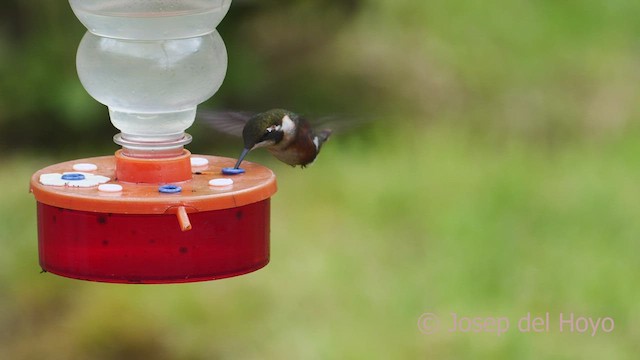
[73, 179]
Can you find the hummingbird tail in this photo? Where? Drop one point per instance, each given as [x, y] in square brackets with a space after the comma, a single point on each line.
[321, 137]
[242, 155]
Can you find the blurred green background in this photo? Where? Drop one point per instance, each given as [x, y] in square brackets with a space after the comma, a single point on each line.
[498, 176]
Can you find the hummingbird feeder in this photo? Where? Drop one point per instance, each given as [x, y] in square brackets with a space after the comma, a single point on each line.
[153, 212]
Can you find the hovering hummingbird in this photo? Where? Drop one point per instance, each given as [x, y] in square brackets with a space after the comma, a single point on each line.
[285, 134]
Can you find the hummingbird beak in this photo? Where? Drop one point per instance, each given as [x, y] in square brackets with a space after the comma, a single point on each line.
[244, 153]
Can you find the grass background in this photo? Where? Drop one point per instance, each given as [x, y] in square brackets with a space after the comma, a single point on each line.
[498, 177]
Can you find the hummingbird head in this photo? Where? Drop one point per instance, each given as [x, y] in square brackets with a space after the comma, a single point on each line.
[265, 129]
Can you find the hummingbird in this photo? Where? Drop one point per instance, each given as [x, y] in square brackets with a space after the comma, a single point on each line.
[286, 135]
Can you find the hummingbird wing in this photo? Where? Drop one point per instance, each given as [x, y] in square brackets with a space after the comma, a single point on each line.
[232, 122]
[340, 124]
[228, 122]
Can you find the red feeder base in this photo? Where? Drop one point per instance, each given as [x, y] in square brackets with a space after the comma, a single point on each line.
[151, 248]
[143, 236]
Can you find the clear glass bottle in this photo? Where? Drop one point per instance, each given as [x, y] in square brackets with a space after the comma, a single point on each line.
[151, 62]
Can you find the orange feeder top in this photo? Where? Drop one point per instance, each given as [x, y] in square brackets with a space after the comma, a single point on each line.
[138, 181]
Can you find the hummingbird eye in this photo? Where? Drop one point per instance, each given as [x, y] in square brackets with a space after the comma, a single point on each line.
[273, 128]
[271, 133]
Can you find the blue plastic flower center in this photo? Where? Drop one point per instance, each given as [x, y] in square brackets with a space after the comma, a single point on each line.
[232, 171]
[73, 177]
[170, 189]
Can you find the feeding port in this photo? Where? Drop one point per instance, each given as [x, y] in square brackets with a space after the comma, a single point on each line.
[152, 213]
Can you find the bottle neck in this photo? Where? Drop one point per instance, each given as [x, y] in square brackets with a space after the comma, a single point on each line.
[152, 149]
